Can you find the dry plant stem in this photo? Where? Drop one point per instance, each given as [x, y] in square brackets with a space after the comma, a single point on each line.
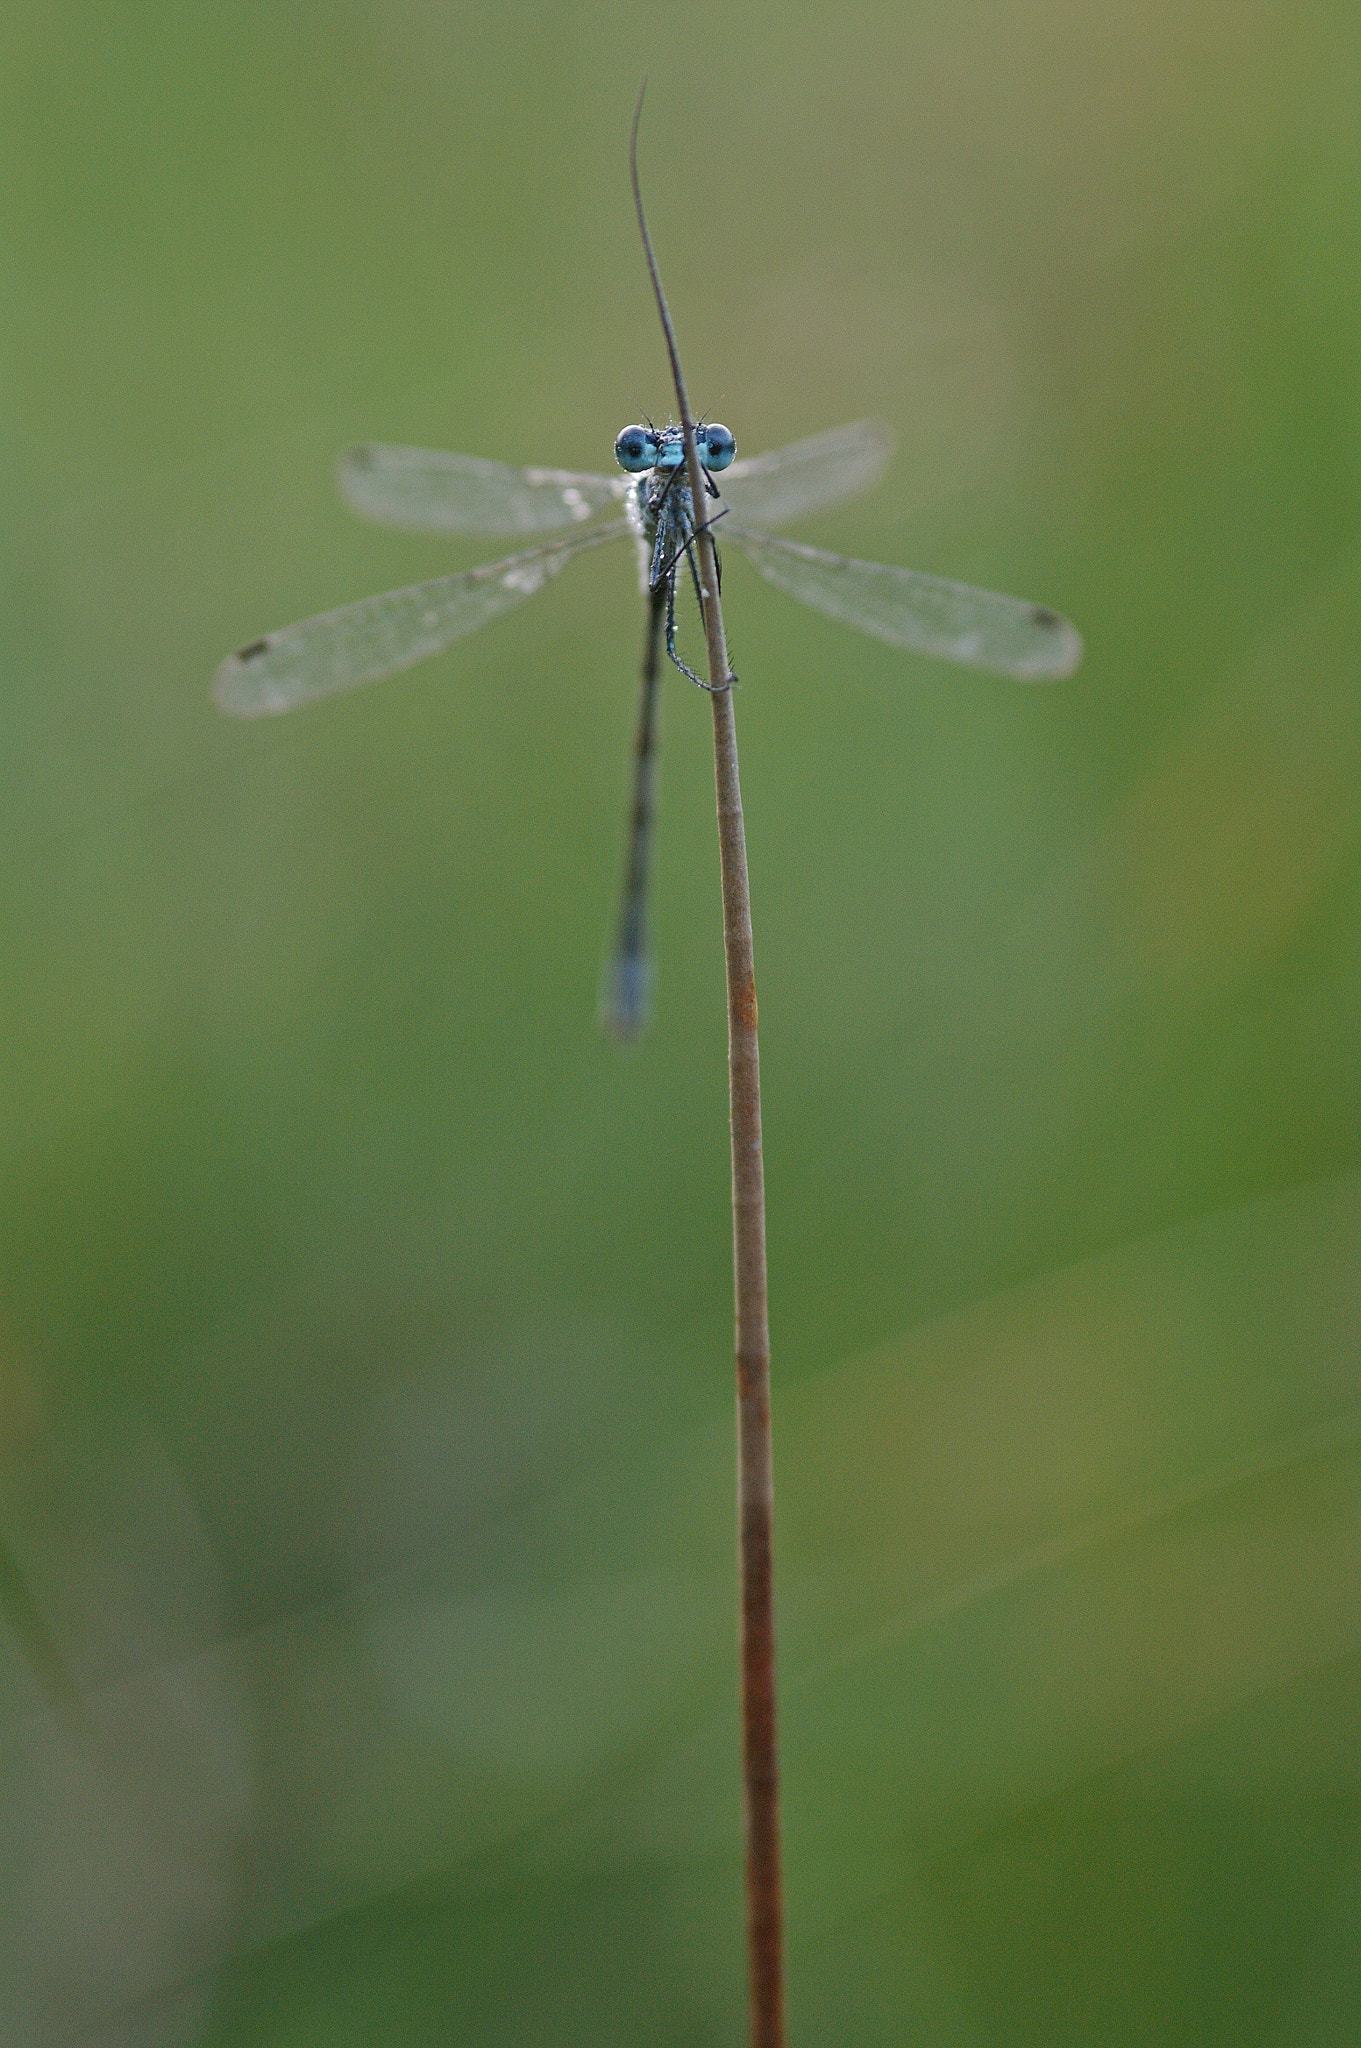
[754, 1469]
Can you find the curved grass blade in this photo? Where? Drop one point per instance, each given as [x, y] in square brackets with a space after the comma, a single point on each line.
[423, 490]
[362, 642]
[807, 475]
[929, 614]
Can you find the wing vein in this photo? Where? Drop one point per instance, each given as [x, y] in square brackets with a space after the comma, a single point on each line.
[379, 636]
[929, 614]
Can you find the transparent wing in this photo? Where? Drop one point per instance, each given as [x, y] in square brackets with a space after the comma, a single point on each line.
[929, 614]
[425, 491]
[805, 476]
[380, 635]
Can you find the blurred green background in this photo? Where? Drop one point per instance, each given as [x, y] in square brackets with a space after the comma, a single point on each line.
[366, 1667]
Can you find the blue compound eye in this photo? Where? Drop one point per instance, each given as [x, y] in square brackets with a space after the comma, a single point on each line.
[716, 447]
[636, 449]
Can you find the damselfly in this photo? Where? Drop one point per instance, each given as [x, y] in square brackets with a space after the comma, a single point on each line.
[423, 491]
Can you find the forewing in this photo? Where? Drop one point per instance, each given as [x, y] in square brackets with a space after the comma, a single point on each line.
[807, 475]
[425, 491]
[380, 635]
[953, 621]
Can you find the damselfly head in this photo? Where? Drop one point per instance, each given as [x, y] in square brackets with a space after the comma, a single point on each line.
[639, 448]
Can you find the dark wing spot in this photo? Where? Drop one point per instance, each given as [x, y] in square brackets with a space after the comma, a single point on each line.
[362, 457]
[1040, 615]
[254, 651]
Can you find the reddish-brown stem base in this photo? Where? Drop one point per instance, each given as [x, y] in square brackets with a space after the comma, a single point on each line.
[760, 1755]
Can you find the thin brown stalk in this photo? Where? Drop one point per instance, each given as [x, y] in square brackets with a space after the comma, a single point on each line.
[755, 1485]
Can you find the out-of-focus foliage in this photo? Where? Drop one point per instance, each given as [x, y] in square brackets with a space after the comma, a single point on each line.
[366, 1664]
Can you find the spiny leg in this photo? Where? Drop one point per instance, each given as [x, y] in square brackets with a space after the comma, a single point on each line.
[688, 546]
[671, 634]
